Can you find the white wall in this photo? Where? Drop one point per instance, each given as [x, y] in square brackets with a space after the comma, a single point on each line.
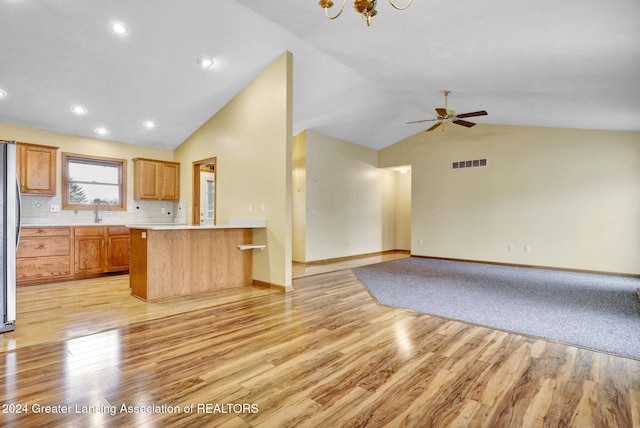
[572, 196]
[350, 206]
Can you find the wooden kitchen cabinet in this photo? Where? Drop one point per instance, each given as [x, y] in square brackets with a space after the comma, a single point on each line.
[156, 180]
[36, 166]
[90, 250]
[43, 253]
[101, 249]
[61, 253]
[118, 249]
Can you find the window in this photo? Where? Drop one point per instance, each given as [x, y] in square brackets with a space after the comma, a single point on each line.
[89, 179]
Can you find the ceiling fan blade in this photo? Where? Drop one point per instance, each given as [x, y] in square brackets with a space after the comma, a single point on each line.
[424, 120]
[472, 114]
[434, 127]
[464, 123]
[442, 112]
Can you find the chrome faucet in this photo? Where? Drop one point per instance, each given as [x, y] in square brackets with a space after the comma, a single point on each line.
[98, 218]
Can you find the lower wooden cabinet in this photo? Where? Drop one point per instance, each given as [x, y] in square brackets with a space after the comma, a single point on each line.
[50, 254]
[101, 249]
[118, 249]
[90, 250]
[44, 253]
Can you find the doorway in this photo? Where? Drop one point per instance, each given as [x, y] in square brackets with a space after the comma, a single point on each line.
[204, 192]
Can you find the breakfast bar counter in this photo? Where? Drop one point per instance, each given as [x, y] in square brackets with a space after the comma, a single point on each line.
[179, 260]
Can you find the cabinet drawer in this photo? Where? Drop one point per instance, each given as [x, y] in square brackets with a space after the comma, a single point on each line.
[45, 231]
[43, 267]
[118, 230]
[42, 247]
[89, 231]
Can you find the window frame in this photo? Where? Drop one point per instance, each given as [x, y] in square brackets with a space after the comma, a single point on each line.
[98, 160]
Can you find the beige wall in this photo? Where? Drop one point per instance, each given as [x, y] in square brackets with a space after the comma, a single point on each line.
[349, 202]
[403, 210]
[251, 139]
[571, 196]
[299, 197]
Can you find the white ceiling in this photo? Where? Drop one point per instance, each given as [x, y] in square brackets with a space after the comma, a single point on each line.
[571, 63]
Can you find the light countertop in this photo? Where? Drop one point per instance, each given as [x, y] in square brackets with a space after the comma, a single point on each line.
[76, 224]
[234, 223]
[191, 227]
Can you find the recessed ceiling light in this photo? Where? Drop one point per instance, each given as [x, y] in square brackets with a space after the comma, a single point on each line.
[205, 62]
[79, 110]
[148, 124]
[3, 93]
[118, 28]
[101, 131]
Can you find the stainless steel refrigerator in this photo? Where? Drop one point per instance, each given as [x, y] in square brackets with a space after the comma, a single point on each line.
[9, 232]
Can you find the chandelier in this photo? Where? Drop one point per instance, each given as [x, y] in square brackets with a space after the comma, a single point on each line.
[366, 8]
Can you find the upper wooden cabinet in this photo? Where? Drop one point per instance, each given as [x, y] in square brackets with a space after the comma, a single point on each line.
[37, 169]
[156, 180]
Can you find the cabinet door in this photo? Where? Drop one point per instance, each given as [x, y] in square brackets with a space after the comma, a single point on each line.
[90, 254]
[37, 169]
[118, 253]
[170, 182]
[146, 179]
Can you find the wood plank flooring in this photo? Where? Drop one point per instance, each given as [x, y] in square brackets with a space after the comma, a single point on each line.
[323, 355]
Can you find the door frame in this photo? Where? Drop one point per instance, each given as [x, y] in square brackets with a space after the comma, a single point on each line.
[195, 218]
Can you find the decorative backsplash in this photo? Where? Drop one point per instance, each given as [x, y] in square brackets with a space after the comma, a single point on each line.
[46, 210]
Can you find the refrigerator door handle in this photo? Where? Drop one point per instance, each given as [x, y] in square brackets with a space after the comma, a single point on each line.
[19, 212]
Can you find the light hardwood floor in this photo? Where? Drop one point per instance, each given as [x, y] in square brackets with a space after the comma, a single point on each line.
[323, 355]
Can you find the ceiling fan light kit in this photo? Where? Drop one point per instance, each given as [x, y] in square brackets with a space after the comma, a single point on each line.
[449, 116]
[366, 8]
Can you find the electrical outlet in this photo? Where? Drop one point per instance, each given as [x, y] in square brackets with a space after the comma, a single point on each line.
[419, 241]
[55, 208]
[510, 247]
[527, 248]
[163, 210]
[130, 209]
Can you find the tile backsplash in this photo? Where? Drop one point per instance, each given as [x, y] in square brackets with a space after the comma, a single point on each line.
[38, 210]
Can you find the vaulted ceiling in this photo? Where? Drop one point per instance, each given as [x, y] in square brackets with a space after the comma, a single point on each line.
[573, 64]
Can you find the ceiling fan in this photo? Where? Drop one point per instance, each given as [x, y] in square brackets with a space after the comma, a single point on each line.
[449, 116]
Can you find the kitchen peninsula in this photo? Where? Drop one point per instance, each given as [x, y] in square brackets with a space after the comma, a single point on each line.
[179, 260]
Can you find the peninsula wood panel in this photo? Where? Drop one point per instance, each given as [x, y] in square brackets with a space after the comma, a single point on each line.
[189, 261]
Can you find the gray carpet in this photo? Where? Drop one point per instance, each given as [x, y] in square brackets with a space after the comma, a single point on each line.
[599, 312]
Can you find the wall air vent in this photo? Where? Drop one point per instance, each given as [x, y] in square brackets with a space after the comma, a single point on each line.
[469, 164]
